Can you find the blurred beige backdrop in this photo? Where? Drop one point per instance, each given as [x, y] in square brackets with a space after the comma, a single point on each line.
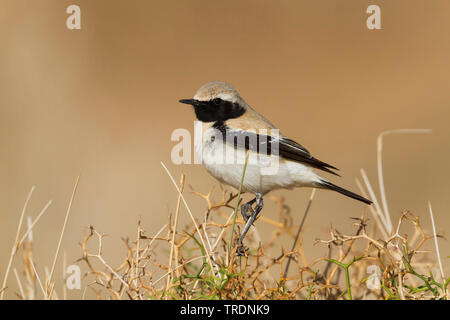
[102, 101]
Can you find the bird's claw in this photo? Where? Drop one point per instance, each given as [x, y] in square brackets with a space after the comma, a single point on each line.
[241, 251]
[245, 208]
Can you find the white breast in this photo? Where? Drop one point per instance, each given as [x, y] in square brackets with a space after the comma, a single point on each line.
[263, 174]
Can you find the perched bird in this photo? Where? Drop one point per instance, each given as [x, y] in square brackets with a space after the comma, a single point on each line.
[232, 130]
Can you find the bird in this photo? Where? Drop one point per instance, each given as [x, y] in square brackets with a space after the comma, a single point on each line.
[234, 136]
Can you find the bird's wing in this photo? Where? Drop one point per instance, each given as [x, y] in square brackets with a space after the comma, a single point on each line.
[292, 150]
[269, 144]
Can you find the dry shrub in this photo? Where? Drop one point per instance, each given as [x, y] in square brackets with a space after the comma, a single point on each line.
[145, 274]
[200, 262]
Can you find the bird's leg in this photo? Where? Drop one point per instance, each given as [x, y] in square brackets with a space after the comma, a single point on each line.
[259, 205]
[245, 208]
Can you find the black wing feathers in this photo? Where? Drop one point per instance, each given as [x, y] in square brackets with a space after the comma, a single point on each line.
[287, 148]
[291, 150]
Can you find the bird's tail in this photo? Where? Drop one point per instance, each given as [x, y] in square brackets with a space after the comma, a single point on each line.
[328, 185]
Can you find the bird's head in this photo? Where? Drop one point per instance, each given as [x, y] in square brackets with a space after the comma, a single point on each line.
[217, 101]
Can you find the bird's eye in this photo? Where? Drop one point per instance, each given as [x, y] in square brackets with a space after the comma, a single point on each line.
[217, 101]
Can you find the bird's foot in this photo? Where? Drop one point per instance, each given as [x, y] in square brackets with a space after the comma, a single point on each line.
[249, 214]
[247, 211]
[241, 251]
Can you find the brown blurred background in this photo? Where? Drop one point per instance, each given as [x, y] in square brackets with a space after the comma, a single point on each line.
[102, 101]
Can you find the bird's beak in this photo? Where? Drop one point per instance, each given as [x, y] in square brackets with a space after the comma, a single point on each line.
[188, 101]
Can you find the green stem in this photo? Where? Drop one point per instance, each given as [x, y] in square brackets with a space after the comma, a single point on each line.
[347, 273]
[347, 280]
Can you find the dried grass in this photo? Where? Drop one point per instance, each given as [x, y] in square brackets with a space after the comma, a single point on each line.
[376, 261]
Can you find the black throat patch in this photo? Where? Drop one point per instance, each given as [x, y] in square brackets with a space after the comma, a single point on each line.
[217, 110]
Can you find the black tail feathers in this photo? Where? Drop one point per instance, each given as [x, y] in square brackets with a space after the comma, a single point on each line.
[328, 185]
